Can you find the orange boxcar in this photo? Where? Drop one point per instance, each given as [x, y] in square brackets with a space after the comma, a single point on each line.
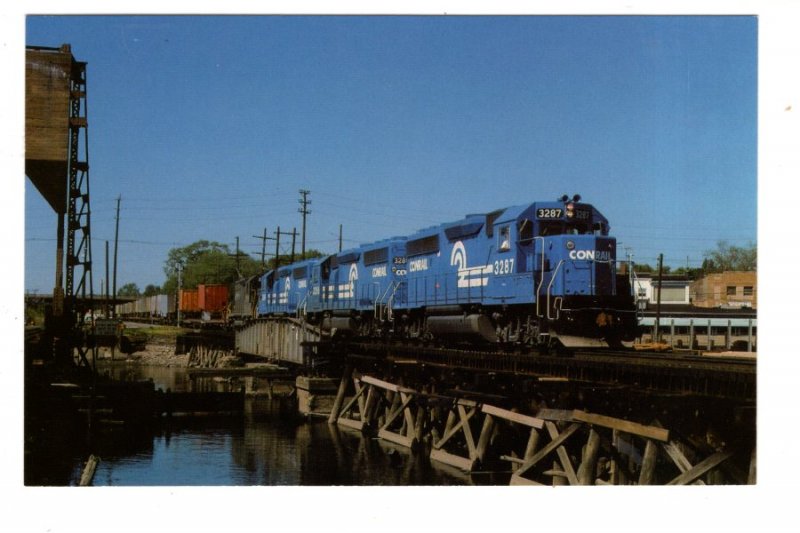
[212, 298]
[188, 301]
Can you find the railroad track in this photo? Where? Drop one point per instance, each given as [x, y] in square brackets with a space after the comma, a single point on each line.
[659, 372]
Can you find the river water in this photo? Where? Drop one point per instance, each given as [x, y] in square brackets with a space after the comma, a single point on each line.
[268, 445]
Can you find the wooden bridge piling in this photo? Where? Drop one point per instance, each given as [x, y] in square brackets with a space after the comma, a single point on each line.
[578, 447]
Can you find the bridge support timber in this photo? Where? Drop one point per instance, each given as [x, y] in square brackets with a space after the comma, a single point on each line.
[548, 447]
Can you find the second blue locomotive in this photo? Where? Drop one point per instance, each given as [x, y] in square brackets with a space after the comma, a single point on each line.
[540, 274]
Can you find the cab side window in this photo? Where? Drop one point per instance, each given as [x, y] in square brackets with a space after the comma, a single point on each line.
[505, 238]
[525, 231]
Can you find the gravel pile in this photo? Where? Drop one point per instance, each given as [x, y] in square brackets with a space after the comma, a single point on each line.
[161, 355]
[156, 353]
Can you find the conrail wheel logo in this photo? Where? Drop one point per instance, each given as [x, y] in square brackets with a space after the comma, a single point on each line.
[468, 276]
[283, 298]
[348, 290]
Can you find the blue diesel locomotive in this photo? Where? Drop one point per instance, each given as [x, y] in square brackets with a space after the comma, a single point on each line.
[541, 274]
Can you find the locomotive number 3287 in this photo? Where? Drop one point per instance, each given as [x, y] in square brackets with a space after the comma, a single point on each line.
[504, 266]
[545, 212]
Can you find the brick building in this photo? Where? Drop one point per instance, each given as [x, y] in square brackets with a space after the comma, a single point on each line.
[726, 290]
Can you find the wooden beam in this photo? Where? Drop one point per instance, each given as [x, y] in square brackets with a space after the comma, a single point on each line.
[533, 442]
[555, 415]
[406, 399]
[549, 447]
[701, 468]
[372, 395]
[483, 440]
[396, 438]
[680, 460]
[461, 463]
[386, 385]
[350, 423]
[559, 480]
[563, 456]
[88, 471]
[454, 428]
[626, 426]
[586, 471]
[337, 403]
[647, 475]
[397, 411]
[519, 480]
[462, 412]
[511, 416]
[352, 401]
[359, 395]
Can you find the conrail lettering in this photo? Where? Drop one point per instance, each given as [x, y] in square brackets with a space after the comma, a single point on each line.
[379, 272]
[591, 255]
[418, 264]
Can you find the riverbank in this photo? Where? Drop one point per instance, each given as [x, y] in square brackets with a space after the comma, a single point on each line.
[159, 349]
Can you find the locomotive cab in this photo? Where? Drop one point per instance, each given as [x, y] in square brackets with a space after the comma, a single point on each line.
[576, 275]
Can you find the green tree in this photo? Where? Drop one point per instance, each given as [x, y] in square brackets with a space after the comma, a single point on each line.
[206, 262]
[129, 289]
[691, 273]
[730, 257]
[152, 290]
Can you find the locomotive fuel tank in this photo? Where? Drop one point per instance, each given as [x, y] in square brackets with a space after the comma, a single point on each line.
[462, 327]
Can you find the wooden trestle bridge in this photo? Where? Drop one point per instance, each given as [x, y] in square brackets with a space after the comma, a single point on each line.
[619, 418]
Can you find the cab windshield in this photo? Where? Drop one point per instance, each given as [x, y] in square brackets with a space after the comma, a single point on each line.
[551, 228]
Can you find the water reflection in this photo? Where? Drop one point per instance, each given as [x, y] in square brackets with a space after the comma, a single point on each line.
[269, 445]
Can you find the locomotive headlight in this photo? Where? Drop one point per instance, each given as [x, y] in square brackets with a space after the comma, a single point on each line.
[570, 210]
[570, 245]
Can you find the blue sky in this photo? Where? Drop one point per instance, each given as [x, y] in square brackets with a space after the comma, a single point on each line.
[208, 127]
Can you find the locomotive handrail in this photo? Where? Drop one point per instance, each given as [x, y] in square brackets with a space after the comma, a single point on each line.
[541, 279]
[302, 306]
[379, 300]
[391, 300]
[550, 287]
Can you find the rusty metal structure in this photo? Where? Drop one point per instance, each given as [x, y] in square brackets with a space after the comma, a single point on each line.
[57, 163]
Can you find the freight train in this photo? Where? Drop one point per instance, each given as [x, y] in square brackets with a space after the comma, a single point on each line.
[543, 274]
[203, 305]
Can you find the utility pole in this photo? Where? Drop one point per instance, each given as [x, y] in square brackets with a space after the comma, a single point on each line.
[294, 239]
[304, 211]
[277, 238]
[264, 240]
[277, 246]
[340, 237]
[658, 296]
[108, 302]
[116, 246]
[178, 307]
[238, 271]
